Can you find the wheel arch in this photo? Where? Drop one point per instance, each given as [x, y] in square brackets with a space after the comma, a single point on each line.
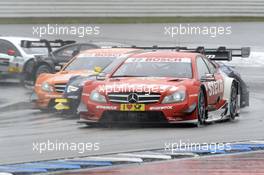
[27, 70]
[30, 62]
[44, 63]
[228, 82]
[39, 65]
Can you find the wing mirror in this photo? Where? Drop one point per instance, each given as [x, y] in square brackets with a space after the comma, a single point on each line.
[75, 52]
[57, 68]
[101, 76]
[208, 77]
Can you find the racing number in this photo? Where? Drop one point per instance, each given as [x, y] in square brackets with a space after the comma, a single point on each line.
[215, 88]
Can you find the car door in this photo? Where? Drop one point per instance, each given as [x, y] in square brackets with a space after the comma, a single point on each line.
[214, 84]
[6, 46]
[217, 87]
[9, 55]
[4, 58]
[4, 62]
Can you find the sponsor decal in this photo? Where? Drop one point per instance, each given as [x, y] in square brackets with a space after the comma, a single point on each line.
[73, 97]
[132, 107]
[215, 87]
[107, 107]
[85, 94]
[53, 96]
[174, 88]
[210, 56]
[159, 59]
[161, 108]
[107, 54]
[64, 77]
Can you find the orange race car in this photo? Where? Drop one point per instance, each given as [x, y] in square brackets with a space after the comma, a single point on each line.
[49, 87]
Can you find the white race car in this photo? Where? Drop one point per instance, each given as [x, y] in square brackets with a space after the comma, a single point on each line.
[14, 58]
[18, 53]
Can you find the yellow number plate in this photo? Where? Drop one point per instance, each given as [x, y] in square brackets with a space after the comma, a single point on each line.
[132, 107]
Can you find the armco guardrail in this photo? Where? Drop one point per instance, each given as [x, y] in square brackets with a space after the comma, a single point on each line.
[130, 8]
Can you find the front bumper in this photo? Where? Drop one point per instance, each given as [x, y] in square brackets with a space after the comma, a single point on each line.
[10, 73]
[69, 101]
[66, 104]
[14, 69]
[168, 113]
[43, 100]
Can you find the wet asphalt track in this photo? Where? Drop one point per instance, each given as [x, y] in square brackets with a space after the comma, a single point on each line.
[20, 126]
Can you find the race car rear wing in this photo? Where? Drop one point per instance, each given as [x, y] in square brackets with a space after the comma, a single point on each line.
[224, 54]
[45, 43]
[217, 54]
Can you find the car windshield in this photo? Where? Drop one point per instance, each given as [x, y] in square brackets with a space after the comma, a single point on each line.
[89, 63]
[113, 65]
[145, 67]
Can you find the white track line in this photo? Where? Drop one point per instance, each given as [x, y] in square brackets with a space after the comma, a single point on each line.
[147, 156]
[257, 141]
[114, 159]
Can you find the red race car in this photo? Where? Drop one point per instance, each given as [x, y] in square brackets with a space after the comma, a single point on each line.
[179, 86]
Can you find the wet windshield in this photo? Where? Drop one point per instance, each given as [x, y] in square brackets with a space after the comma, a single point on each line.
[152, 68]
[89, 63]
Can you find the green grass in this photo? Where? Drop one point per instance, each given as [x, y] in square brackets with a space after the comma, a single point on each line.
[127, 20]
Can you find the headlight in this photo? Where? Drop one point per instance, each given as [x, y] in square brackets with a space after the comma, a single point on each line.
[178, 96]
[97, 97]
[46, 87]
[72, 88]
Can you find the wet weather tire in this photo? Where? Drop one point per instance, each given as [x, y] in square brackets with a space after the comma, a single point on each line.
[201, 109]
[233, 106]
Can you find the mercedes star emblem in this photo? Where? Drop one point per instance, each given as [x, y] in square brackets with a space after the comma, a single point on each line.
[132, 98]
